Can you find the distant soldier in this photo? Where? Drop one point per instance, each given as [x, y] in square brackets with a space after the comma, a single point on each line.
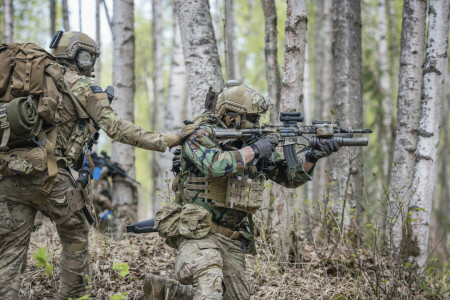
[106, 174]
[220, 188]
[63, 101]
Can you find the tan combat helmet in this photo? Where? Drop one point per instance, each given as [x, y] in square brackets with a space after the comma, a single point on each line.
[240, 103]
[72, 41]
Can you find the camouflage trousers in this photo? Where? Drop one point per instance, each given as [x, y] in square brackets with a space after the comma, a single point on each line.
[17, 215]
[214, 266]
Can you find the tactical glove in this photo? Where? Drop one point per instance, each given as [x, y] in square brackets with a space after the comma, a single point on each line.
[323, 149]
[263, 148]
[176, 139]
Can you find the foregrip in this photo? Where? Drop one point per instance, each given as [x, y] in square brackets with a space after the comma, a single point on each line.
[342, 141]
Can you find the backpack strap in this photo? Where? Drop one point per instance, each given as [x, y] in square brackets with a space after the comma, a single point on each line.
[52, 168]
[4, 124]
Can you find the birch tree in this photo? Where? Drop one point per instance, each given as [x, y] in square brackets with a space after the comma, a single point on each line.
[425, 166]
[158, 96]
[271, 54]
[347, 164]
[8, 20]
[173, 115]
[98, 63]
[324, 85]
[232, 63]
[408, 108]
[387, 105]
[80, 19]
[52, 17]
[201, 57]
[285, 203]
[125, 202]
[65, 14]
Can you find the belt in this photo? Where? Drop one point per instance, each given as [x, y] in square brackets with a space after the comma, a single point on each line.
[229, 233]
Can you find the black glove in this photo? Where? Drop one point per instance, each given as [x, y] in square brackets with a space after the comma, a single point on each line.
[263, 148]
[323, 149]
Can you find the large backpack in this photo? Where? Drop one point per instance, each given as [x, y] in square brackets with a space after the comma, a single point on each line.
[28, 96]
[30, 85]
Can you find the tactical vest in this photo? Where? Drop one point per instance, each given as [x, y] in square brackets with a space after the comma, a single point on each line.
[242, 193]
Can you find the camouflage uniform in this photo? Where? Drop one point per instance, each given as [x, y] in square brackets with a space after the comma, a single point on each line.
[201, 261]
[79, 102]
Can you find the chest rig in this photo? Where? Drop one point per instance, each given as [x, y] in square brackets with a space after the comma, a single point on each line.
[241, 192]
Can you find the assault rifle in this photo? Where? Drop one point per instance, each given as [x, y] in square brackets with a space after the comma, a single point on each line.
[142, 227]
[290, 134]
[112, 167]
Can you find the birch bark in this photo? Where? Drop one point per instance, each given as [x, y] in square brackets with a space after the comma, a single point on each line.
[98, 63]
[124, 199]
[387, 104]
[285, 203]
[271, 54]
[158, 97]
[52, 17]
[232, 62]
[425, 166]
[80, 19]
[347, 164]
[408, 107]
[8, 19]
[324, 86]
[65, 12]
[201, 57]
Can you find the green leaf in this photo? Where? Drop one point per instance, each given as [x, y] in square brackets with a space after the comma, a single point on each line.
[41, 259]
[122, 268]
[118, 297]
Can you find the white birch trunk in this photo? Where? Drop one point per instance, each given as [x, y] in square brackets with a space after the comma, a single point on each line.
[158, 98]
[285, 203]
[98, 63]
[52, 17]
[201, 57]
[347, 164]
[387, 102]
[80, 19]
[232, 62]
[408, 107]
[173, 114]
[271, 60]
[124, 200]
[425, 166]
[8, 19]
[65, 13]
[324, 88]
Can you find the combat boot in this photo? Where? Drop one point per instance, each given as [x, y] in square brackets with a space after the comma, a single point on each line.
[162, 288]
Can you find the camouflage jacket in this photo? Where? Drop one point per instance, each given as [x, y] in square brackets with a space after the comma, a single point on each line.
[83, 103]
[203, 156]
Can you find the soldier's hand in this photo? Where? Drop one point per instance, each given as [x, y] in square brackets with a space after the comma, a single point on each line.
[176, 139]
[263, 148]
[324, 148]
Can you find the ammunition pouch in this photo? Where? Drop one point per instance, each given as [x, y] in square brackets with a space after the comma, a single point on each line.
[23, 161]
[190, 220]
[76, 199]
[236, 192]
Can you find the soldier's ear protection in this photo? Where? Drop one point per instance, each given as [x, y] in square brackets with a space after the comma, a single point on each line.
[84, 60]
[232, 118]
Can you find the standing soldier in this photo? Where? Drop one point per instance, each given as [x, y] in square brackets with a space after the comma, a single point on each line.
[37, 178]
[220, 189]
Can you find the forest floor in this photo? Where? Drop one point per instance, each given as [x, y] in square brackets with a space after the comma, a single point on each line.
[118, 267]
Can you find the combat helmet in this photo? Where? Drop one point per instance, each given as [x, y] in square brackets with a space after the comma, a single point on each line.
[240, 103]
[67, 44]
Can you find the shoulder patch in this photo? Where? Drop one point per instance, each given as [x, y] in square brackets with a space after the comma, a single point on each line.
[96, 89]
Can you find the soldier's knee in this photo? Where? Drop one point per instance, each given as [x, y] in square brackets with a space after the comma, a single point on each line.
[210, 285]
